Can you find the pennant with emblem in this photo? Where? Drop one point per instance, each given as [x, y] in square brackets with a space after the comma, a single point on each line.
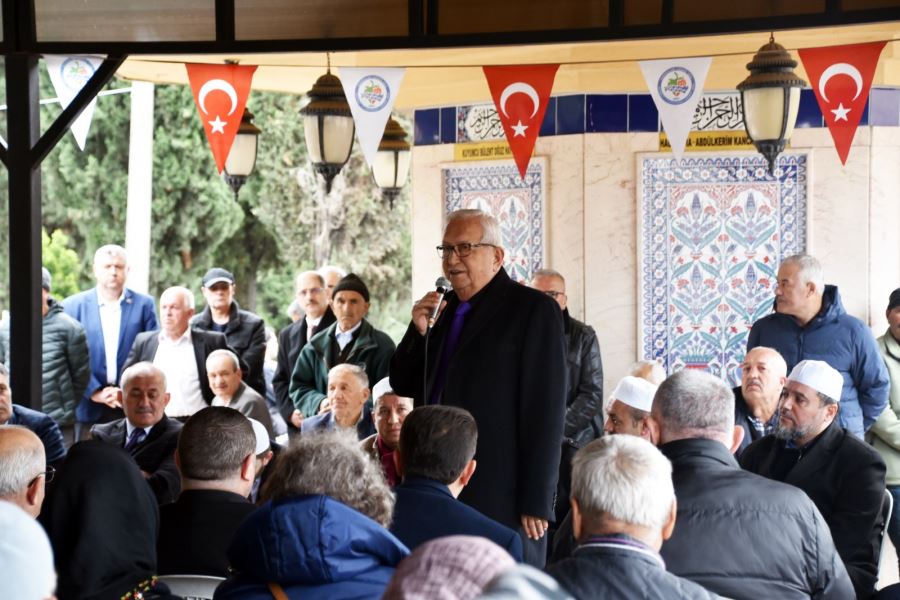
[69, 74]
[521, 94]
[841, 77]
[220, 92]
[676, 86]
[371, 93]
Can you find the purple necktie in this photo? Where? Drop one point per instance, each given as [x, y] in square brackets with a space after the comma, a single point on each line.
[137, 436]
[450, 344]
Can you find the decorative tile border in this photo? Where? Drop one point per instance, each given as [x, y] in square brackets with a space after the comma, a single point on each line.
[712, 231]
[495, 187]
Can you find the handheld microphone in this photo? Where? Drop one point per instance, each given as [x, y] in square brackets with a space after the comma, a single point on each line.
[442, 286]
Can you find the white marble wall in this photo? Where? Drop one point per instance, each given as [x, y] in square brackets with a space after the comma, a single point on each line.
[592, 224]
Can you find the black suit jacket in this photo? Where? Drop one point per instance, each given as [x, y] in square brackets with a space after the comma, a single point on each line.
[155, 455]
[844, 477]
[509, 371]
[425, 509]
[291, 340]
[195, 531]
[146, 344]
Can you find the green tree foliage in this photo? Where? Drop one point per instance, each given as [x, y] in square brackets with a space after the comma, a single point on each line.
[62, 262]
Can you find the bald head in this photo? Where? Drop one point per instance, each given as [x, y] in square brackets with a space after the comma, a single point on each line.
[22, 467]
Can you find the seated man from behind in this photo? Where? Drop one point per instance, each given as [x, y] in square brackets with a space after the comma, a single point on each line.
[42, 425]
[217, 462]
[842, 475]
[740, 535]
[23, 471]
[623, 508]
[388, 413]
[436, 461]
[146, 432]
[348, 396]
[226, 380]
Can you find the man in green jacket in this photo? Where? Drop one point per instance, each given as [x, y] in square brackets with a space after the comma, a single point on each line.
[885, 433]
[350, 339]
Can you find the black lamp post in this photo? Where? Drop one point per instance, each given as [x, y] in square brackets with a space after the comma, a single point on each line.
[242, 156]
[770, 98]
[391, 165]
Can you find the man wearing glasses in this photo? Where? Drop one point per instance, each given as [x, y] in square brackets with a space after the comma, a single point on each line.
[497, 350]
[42, 425]
[23, 470]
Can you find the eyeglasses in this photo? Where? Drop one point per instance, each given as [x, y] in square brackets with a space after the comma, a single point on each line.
[461, 250]
[311, 291]
[47, 475]
[554, 294]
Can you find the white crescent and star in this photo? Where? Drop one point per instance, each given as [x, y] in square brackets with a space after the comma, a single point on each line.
[217, 124]
[840, 113]
[519, 87]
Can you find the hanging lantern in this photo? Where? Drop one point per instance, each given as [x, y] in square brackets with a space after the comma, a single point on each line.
[242, 156]
[329, 127]
[770, 98]
[391, 165]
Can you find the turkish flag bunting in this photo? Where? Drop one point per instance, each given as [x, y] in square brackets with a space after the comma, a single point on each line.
[220, 92]
[841, 77]
[520, 94]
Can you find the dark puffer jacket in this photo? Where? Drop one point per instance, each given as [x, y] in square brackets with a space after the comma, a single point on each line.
[845, 343]
[744, 536]
[66, 364]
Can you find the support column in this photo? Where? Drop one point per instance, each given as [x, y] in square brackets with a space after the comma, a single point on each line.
[140, 187]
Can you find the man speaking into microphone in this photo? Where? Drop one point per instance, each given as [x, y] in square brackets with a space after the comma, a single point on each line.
[496, 350]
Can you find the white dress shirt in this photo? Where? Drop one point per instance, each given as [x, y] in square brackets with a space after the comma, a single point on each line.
[110, 323]
[311, 324]
[345, 337]
[176, 359]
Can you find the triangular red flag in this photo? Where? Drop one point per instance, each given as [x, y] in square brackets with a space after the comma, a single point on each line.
[220, 92]
[520, 94]
[841, 77]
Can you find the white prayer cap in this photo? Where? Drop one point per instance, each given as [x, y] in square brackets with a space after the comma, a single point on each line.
[26, 558]
[820, 376]
[381, 388]
[635, 392]
[262, 436]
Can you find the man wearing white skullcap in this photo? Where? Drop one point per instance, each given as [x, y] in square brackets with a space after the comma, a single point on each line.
[629, 408]
[842, 475]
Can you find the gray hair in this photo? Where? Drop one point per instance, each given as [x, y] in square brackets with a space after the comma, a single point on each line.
[20, 462]
[140, 369]
[623, 477]
[324, 270]
[111, 250]
[331, 463]
[184, 292]
[693, 404]
[489, 226]
[809, 270]
[549, 273]
[656, 375]
[293, 310]
[352, 369]
[317, 274]
[223, 352]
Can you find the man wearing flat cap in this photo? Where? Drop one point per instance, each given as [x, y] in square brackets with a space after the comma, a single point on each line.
[843, 476]
[350, 339]
[244, 331]
[629, 408]
[885, 433]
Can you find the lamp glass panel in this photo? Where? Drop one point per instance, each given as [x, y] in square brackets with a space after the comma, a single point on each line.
[338, 139]
[384, 171]
[763, 112]
[242, 157]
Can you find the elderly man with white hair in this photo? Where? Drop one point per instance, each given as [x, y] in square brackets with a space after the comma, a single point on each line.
[623, 508]
[223, 367]
[629, 407]
[810, 322]
[23, 471]
[842, 475]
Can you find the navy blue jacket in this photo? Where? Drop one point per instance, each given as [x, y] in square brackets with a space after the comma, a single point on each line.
[138, 314]
[313, 546]
[44, 427]
[425, 510]
[845, 343]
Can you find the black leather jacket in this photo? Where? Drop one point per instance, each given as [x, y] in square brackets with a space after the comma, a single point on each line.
[584, 391]
[246, 334]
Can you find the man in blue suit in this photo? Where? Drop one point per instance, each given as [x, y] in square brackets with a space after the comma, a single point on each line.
[112, 316]
[436, 460]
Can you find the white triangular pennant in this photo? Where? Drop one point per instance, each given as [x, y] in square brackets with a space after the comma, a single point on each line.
[68, 75]
[371, 92]
[676, 85]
